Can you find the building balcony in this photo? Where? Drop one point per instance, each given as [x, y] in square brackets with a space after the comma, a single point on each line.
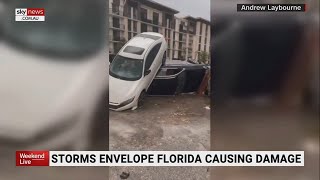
[135, 29]
[156, 23]
[116, 38]
[116, 11]
[120, 27]
[134, 17]
[146, 20]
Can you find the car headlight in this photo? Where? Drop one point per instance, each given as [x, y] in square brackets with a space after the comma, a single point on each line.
[127, 102]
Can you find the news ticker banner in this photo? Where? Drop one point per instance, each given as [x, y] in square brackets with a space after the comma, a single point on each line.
[30, 14]
[160, 158]
[271, 7]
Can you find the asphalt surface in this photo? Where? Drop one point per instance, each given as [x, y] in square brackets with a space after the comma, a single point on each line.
[163, 123]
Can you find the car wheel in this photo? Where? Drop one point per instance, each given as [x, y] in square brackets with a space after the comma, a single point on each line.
[141, 98]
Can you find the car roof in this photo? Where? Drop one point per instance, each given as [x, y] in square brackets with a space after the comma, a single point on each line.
[143, 40]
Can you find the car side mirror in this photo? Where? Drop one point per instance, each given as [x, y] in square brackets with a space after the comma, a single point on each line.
[147, 72]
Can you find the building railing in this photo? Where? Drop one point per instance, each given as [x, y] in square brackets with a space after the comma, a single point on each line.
[115, 38]
[116, 11]
[135, 17]
[121, 26]
[146, 20]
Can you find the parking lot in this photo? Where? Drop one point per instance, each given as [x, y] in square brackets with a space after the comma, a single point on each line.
[165, 123]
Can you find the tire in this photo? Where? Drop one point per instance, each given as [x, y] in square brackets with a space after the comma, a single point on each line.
[141, 99]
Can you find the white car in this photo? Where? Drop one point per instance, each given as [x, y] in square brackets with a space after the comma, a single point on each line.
[134, 68]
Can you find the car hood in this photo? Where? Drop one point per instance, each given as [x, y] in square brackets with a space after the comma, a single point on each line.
[121, 90]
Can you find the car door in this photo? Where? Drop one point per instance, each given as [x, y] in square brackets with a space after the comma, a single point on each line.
[167, 82]
[174, 79]
[151, 64]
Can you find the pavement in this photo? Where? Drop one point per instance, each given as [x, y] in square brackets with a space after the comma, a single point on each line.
[167, 123]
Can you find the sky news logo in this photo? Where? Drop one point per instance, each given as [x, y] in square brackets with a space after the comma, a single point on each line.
[30, 14]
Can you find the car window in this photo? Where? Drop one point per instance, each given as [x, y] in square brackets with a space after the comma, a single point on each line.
[134, 50]
[152, 55]
[164, 58]
[126, 68]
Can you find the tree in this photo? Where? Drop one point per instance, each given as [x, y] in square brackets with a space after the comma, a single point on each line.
[203, 57]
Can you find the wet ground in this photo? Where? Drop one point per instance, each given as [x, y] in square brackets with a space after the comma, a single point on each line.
[163, 123]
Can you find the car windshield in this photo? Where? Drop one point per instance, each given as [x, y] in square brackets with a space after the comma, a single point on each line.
[70, 28]
[126, 68]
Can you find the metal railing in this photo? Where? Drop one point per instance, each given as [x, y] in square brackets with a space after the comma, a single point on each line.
[121, 26]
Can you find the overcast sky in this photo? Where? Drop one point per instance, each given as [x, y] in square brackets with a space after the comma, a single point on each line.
[196, 8]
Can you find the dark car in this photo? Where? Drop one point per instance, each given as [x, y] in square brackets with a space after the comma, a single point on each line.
[178, 77]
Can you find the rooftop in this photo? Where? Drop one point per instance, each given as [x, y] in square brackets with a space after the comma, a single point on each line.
[159, 6]
[197, 19]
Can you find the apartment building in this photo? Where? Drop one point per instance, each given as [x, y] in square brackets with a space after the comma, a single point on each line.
[185, 36]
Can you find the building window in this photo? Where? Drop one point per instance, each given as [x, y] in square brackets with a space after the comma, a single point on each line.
[144, 28]
[117, 47]
[129, 35]
[144, 14]
[132, 13]
[116, 7]
[115, 22]
[168, 20]
[181, 27]
[199, 47]
[129, 25]
[116, 35]
[155, 29]
[135, 26]
[132, 10]
[200, 28]
[155, 18]
[207, 26]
